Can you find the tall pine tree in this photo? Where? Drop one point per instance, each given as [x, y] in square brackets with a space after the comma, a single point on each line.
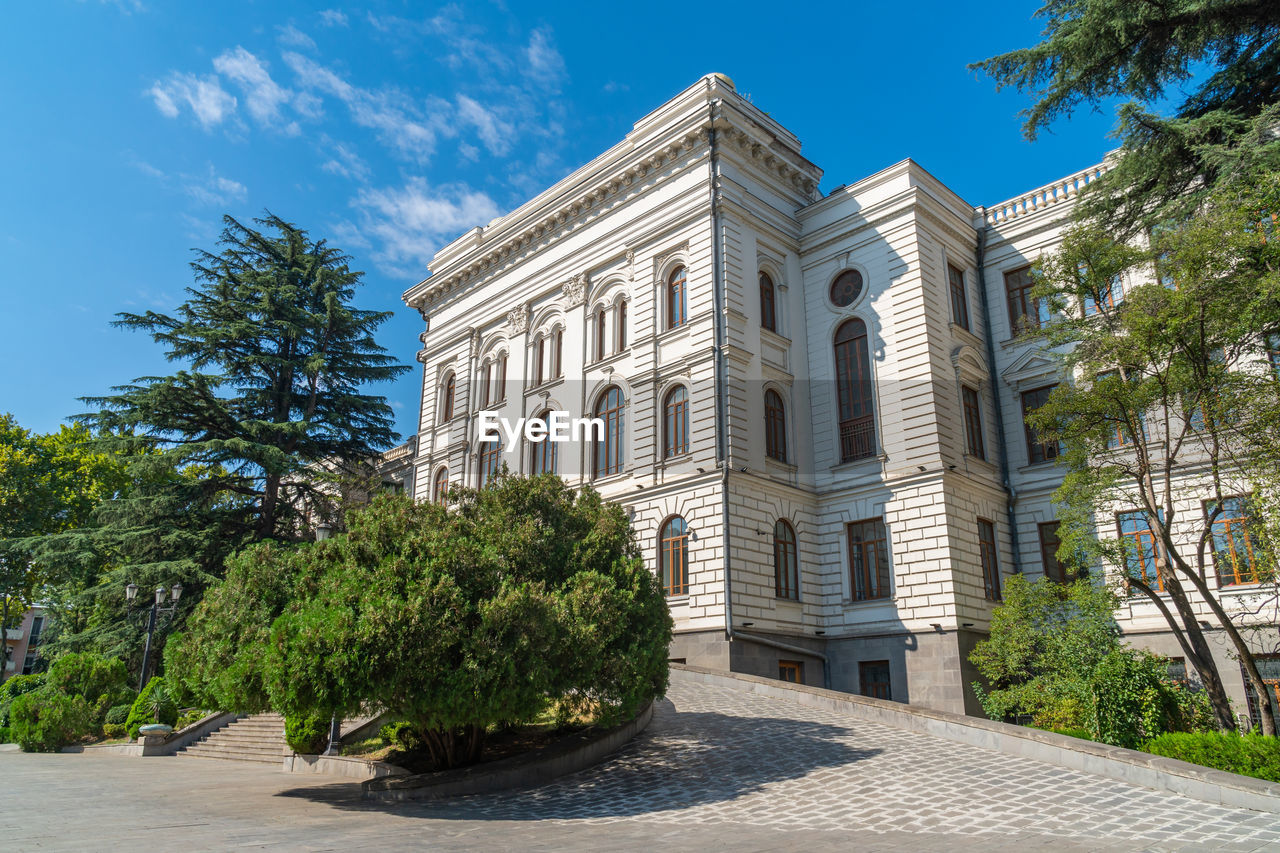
[1227, 52]
[238, 445]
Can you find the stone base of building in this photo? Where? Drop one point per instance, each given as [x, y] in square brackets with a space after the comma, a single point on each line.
[931, 669]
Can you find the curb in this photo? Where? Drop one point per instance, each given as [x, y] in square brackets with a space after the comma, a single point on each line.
[570, 755]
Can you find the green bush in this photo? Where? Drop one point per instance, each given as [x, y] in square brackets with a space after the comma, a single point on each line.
[92, 676]
[4, 735]
[1249, 755]
[114, 731]
[47, 720]
[401, 734]
[189, 716]
[307, 734]
[1135, 700]
[118, 715]
[14, 687]
[153, 705]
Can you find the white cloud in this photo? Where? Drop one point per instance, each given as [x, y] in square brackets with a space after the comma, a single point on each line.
[333, 18]
[295, 37]
[347, 163]
[406, 225]
[213, 189]
[208, 101]
[545, 62]
[263, 96]
[495, 133]
[401, 122]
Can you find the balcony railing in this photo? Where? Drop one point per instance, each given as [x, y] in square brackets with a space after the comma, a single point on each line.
[857, 438]
[1046, 196]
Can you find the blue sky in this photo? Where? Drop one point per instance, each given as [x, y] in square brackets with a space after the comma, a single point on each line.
[391, 127]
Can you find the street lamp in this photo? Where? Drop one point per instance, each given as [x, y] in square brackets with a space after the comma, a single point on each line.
[131, 594]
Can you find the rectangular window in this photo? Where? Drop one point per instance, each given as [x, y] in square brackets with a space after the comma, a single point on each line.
[1113, 296]
[1140, 541]
[987, 549]
[973, 422]
[1025, 312]
[1054, 570]
[557, 350]
[490, 461]
[622, 326]
[1269, 669]
[486, 381]
[791, 670]
[869, 559]
[1232, 542]
[600, 335]
[539, 361]
[873, 678]
[1037, 450]
[500, 389]
[959, 300]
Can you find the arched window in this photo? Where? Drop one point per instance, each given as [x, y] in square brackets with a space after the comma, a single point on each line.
[490, 460]
[446, 400]
[621, 331]
[675, 429]
[768, 307]
[600, 334]
[543, 460]
[853, 388]
[440, 486]
[677, 299]
[775, 426]
[539, 360]
[673, 555]
[610, 408]
[557, 349]
[786, 568]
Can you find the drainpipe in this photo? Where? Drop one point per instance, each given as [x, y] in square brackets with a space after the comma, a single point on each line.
[996, 395]
[720, 296]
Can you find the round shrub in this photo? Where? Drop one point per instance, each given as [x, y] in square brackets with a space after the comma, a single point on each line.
[47, 720]
[306, 734]
[14, 687]
[114, 731]
[1134, 699]
[118, 715]
[400, 734]
[92, 676]
[153, 705]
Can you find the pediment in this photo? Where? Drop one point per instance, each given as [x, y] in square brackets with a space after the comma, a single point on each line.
[1033, 367]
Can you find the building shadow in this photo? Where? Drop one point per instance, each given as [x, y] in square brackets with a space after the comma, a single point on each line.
[684, 759]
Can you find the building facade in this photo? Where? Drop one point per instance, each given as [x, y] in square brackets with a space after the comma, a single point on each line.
[812, 407]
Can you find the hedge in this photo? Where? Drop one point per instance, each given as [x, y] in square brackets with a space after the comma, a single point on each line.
[47, 720]
[1249, 755]
[152, 705]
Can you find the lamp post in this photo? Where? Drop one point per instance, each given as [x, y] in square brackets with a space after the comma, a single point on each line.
[323, 532]
[130, 594]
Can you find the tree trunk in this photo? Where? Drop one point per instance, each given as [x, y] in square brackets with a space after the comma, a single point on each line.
[454, 747]
[270, 497]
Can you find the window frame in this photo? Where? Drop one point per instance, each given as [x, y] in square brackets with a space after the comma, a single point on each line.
[1142, 557]
[543, 455]
[855, 391]
[786, 561]
[609, 457]
[863, 585]
[440, 486]
[673, 547]
[768, 303]
[677, 298]
[1024, 312]
[1229, 525]
[870, 685]
[1045, 450]
[1053, 568]
[675, 422]
[775, 426]
[989, 556]
[488, 461]
[959, 297]
[971, 403]
[447, 397]
[791, 668]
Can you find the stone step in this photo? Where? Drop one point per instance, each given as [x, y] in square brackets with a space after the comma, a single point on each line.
[274, 737]
[266, 752]
[254, 759]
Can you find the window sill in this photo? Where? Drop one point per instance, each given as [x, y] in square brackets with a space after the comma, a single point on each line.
[857, 604]
[776, 337]
[673, 333]
[781, 465]
[965, 335]
[544, 385]
[677, 599]
[606, 479]
[1035, 467]
[984, 464]
[609, 359]
[866, 462]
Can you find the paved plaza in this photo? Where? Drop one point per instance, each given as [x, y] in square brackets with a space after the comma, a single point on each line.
[717, 769]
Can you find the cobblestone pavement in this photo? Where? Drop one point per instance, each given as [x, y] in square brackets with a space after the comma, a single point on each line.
[717, 769]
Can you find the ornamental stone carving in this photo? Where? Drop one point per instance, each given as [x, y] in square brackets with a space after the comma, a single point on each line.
[575, 291]
[518, 318]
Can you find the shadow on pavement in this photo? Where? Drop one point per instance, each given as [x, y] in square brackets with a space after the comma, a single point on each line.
[683, 759]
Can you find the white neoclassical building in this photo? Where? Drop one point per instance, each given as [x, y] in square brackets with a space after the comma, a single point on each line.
[812, 406]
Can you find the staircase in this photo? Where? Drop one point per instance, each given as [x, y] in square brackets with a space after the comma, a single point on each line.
[257, 738]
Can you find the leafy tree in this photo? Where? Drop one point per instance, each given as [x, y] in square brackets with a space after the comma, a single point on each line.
[1161, 383]
[244, 441]
[1134, 700]
[48, 483]
[1046, 640]
[519, 595]
[1097, 50]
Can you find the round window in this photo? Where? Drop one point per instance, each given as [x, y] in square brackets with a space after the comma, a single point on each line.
[846, 288]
